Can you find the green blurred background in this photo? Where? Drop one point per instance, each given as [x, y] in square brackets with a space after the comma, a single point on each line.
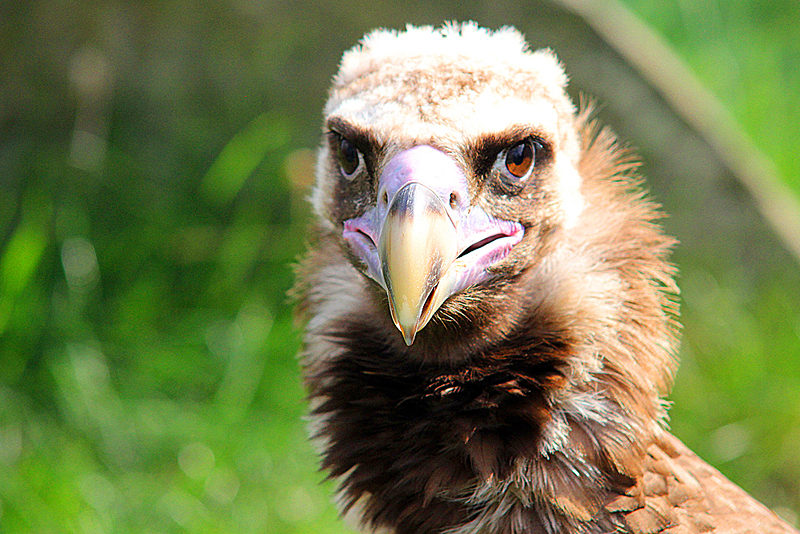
[154, 161]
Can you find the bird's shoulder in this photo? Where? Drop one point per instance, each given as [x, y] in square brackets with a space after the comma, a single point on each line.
[679, 493]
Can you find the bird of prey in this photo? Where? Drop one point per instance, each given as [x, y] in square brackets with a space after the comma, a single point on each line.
[491, 315]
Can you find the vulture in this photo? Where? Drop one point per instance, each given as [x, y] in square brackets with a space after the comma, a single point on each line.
[489, 308]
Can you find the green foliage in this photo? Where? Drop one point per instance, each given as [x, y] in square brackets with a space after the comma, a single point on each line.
[748, 54]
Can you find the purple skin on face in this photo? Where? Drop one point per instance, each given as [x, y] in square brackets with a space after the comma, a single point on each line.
[424, 241]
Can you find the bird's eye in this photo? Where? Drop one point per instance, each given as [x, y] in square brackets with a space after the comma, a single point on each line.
[349, 158]
[521, 158]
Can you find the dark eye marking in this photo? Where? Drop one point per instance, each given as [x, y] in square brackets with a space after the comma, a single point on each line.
[354, 147]
[349, 157]
[514, 155]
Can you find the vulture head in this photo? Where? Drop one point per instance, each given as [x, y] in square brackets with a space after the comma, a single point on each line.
[490, 312]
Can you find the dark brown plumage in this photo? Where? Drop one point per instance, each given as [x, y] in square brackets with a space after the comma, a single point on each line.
[491, 316]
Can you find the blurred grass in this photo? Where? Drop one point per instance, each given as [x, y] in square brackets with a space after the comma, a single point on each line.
[748, 54]
[154, 157]
[737, 399]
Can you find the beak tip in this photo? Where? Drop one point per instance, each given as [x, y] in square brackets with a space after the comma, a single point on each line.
[409, 336]
[405, 320]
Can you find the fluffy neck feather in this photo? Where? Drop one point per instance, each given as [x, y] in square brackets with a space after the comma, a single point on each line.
[531, 416]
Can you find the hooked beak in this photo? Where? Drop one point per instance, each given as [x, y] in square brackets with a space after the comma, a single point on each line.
[426, 241]
[418, 243]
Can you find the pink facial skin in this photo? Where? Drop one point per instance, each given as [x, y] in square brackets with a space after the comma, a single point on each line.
[483, 240]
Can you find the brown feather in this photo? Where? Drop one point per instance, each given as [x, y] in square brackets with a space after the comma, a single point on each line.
[532, 402]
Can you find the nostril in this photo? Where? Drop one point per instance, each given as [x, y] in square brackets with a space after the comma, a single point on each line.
[385, 197]
[454, 200]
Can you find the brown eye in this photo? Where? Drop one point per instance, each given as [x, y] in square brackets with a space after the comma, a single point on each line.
[520, 158]
[348, 156]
